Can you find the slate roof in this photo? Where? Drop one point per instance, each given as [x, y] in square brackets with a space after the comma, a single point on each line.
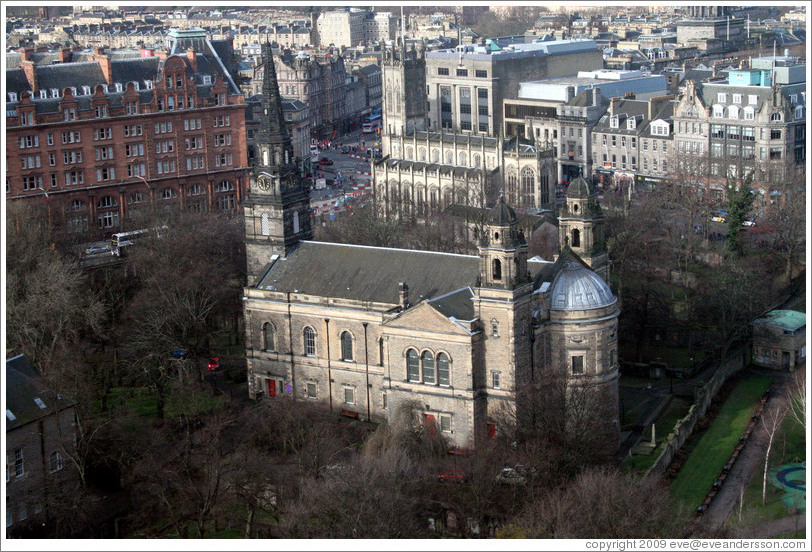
[23, 385]
[364, 273]
[134, 69]
[67, 75]
[457, 304]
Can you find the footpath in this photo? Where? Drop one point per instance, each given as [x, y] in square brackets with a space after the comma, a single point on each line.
[748, 465]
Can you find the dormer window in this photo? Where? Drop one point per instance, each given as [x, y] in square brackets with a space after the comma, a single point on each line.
[85, 90]
[12, 96]
[206, 79]
[54, 92]
[119, 87]
[631, 124]
[614, 122]
[718, 111]
[148, 84]
[73, 90]
[136, 85]
[43, 94]
[721, 97]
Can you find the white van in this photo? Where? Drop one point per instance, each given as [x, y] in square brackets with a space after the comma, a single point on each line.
[314, 151]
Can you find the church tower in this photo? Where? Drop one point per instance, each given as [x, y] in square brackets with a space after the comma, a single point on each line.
[277, 207]
[404, 90]
[580, 227]
[503, 304]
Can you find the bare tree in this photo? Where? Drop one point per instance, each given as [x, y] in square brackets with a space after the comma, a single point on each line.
[796, 397]
[771, 419]
[787, 217]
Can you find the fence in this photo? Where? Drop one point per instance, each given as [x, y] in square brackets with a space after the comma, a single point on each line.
[702, 399]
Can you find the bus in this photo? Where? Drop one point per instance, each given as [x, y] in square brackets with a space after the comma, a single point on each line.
[371, 123]
[121, 240]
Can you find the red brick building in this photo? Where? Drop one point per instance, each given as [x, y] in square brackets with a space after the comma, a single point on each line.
[96, 138]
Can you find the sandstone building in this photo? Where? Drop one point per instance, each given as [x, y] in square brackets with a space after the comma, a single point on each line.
[367, 329]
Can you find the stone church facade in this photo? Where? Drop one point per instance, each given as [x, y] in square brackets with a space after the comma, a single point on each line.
[425, 170]
[364, 330]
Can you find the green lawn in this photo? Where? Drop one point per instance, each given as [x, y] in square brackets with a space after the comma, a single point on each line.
[140, 401]
[789, 446]
[713, 448]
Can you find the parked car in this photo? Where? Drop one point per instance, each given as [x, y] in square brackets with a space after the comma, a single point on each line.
[452, 475]
[97, 249]
[511, 476]
[180, 353]
[213, 365]
[324, 161]
[749, 223]
[718, 218]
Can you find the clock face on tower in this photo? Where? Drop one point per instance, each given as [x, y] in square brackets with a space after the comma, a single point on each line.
[264, 182]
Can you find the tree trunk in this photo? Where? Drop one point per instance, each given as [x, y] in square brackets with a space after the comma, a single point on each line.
[249, 523]
[160, 402]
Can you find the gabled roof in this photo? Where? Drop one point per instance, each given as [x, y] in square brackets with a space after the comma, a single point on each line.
[457, 304]
[369, 274]
[27, 397]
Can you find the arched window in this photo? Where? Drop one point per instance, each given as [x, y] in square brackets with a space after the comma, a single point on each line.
[346, 346]
[775, 117]
[409, 152]
[309, 341]
[477, 160]
[512, 185]
[168, 193]
[412, 365]
[195, 190]
[528, 189]
[497, 269]
[443, 372]
[463, 159]
[136, 197]
[421, 155]
[265, 224]
[427, 360]
[449, 158]
[435, 156]
[718, 111]
[268, 337]
[576, 237]
[733, 112]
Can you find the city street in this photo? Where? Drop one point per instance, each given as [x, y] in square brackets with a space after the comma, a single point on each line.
[348, 176]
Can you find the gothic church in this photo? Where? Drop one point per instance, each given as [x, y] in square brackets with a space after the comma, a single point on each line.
[365, 329]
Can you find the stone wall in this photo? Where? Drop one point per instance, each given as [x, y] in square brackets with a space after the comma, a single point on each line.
[702, 398]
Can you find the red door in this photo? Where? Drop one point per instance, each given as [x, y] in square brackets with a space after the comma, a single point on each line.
[430, 424]
[271, 388]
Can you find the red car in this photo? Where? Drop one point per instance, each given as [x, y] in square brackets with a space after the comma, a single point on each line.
[214, 364]
[452, 475]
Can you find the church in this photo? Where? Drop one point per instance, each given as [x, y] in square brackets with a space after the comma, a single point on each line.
[364, 329]
[423, 170]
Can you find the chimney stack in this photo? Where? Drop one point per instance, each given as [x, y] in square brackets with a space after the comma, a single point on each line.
[105, 64]
[30, 71]
[614, 105]
[191, 55]
[64, 55]
[403, 295]
[26, 53]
